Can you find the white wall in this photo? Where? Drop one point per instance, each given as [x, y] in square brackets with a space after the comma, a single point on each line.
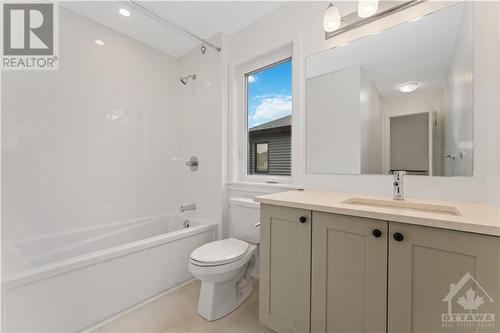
[371, 127]
[333, 128]
[92, 142]
[301, 23]
[343, 124]
[459, 102]
[201, 128]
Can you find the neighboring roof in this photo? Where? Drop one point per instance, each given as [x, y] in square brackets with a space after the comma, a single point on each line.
[281, 122]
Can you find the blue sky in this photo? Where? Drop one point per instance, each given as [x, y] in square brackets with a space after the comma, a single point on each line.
[270, 94]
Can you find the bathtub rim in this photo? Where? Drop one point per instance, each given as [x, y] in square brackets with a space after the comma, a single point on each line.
[30, 275]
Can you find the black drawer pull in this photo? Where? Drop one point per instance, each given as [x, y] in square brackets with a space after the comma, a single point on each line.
[398, 237]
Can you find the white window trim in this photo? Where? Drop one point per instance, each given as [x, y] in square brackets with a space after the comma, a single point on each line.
[240, 118]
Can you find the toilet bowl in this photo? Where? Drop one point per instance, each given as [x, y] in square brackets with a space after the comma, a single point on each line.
[224, 268]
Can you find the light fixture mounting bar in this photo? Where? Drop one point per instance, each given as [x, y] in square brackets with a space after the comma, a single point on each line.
[353, 21]
[172, 24]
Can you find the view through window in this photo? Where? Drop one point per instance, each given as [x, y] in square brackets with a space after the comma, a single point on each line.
[269, 112]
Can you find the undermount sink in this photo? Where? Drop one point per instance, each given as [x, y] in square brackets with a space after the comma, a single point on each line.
[428, 208]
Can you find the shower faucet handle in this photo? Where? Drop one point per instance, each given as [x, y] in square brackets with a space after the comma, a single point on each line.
[193, 163]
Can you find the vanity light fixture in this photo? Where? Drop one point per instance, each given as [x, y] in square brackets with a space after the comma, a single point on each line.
[124, 12]
[99, 42]
[367, 8]
[408, 87]
[368, 11]
[331, 18]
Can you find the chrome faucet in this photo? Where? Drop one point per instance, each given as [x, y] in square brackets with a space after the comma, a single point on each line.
[398, 185]
[182, 209]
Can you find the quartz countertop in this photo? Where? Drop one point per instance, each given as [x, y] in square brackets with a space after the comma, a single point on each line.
[474, 217]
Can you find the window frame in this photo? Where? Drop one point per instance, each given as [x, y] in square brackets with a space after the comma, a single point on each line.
[268, 168]
[240, 113]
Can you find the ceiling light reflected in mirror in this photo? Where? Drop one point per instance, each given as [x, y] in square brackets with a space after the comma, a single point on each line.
[408, 87]
[124, 12]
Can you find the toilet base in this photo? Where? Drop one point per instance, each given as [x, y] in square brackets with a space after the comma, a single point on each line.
[220, 299]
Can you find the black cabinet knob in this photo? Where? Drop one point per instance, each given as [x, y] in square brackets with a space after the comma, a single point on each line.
[376, 233]
[398, 237]
[303, 219]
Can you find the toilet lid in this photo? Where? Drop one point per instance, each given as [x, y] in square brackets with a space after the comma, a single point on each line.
[220, 252]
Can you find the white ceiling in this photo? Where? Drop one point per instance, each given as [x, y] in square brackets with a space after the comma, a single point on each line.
[418, 51]
[204, 18]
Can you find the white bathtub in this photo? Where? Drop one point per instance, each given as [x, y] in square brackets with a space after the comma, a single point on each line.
[71, 281]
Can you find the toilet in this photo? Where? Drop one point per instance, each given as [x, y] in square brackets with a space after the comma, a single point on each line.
[224, 267]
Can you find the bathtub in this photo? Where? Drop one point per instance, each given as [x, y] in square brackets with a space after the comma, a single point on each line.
[71, 281]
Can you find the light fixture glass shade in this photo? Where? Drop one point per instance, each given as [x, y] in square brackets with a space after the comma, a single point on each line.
[331, 19]
[367, 8]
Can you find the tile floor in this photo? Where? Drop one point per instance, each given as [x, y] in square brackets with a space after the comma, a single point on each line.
[176, 313]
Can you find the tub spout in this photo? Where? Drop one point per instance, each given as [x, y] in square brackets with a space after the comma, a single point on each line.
[185, 208]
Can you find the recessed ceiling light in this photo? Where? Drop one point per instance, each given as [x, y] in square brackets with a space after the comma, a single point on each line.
[124, 12]
[99, 42]
[408, 87]
[416, 19]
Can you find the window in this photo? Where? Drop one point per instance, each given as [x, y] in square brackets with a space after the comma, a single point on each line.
[262, 157]
[269, 119]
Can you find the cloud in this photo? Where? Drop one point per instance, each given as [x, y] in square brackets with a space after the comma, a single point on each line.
[252, 78]
[272, 108]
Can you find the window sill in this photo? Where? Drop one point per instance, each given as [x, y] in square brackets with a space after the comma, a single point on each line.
[260, 187]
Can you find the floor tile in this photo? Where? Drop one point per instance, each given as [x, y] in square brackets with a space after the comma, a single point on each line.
[176, 313]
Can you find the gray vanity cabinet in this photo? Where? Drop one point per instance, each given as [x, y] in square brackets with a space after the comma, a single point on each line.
[285, 261]
[429, 267]
[323, 272]
[349, 274]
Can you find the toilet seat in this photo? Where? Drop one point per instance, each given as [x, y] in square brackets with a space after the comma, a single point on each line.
[220, 252]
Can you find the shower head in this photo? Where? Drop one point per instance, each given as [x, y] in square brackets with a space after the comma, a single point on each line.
[184, 79]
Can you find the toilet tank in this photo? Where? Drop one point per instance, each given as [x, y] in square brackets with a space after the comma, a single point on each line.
[244, 214]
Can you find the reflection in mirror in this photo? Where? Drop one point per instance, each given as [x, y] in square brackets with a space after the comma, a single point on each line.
[400, 99]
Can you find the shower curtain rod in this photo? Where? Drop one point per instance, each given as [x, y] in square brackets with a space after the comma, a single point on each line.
[172, 24]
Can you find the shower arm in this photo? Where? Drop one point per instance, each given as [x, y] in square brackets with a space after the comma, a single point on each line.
[172, 24]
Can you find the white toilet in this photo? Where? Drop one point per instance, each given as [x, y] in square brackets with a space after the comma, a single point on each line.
[225, 266]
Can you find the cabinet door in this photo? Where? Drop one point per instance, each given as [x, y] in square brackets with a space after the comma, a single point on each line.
[285, 257]
[429, 279]
[349, 274]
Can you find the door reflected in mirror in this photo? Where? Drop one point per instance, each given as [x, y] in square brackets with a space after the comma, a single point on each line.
[401, 99]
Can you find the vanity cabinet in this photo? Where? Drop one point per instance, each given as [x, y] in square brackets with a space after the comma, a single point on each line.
[349, 260]
[339, 273]
[285, 261]
[427, 264]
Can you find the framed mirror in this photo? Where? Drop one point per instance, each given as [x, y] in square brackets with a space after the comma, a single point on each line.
[399, 99]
